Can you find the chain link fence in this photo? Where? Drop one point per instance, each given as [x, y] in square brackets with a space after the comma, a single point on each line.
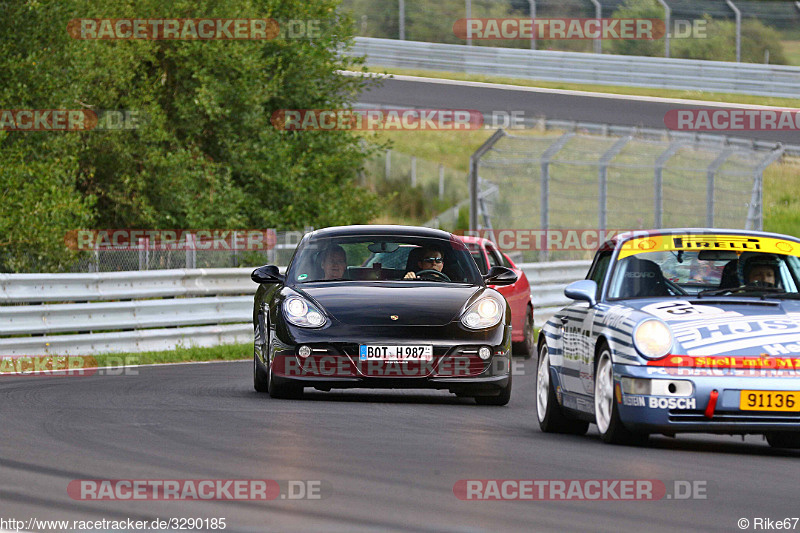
[576, 180]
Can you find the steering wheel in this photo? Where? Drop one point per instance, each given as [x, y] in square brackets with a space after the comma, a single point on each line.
[435, 273]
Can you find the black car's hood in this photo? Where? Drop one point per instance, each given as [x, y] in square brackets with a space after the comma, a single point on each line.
[374, 304]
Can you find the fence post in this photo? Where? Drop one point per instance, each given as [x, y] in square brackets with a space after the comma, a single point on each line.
[667, 15]
[598, 14]
[544, 191]
[413, 171]
[401, 19]
[388, 166]
[710, 173]
[605, 159]
[755, 212]
[468, 9]
[474, 165]
[661, 161]
[738, 15]
[532, 6]
[441, 182]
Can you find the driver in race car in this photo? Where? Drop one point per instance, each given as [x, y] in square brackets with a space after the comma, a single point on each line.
[761, 271]
[432, 259]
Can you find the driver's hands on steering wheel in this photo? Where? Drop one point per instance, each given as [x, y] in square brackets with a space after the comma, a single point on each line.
[410, 275]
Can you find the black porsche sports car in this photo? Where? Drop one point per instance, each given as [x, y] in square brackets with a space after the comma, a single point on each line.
[348, 313]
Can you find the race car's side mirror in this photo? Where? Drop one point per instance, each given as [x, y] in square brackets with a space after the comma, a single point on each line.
[584, 289]
[499, 275]
[267, 274]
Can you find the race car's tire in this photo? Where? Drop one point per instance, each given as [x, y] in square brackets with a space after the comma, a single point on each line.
[528, 346]
[784, 439]
[606, 412]
[501, 399]
[282, 391]
[259, 376]
[551, 418]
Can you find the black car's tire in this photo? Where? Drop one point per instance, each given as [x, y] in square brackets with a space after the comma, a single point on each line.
[784, 439]
[501, 399]
[528, 346]
[550, 416]
[606, 413]
[259, 376]
[282, 391]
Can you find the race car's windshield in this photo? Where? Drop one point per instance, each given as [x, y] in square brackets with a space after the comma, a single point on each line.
[706, 273]
[383, 258]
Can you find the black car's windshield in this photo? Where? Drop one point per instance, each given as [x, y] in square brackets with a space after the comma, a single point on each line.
[706, 273]
[383, 258]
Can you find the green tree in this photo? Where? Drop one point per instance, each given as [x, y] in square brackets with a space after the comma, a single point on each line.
[205, 153]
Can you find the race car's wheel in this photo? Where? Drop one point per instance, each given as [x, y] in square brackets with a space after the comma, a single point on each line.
[501, 399]
[784, 439]
[551, 418]
[282, 391]
[528, 346]
[259, 376]
[605, 408]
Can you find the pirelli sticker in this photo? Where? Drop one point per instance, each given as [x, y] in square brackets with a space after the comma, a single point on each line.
[692, 243]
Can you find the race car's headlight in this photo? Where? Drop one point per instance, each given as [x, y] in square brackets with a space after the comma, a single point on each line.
[653, 339]
[484, 313]
[301, 313]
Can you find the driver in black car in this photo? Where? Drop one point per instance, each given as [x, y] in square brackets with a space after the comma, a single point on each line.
[431, 260]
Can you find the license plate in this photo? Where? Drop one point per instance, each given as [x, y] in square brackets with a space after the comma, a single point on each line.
[762, 400]
[394, 352]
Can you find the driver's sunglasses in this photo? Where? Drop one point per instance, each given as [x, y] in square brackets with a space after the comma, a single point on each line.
[436, 260]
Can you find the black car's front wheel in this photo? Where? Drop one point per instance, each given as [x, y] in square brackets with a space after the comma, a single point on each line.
[784, 439]
[259, 376]
[282, 391]
[501, 399]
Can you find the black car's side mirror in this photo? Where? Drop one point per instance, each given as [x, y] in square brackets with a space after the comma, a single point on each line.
[500, 275]
[267, 274]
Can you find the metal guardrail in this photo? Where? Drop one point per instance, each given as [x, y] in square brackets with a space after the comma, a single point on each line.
[577, 67]
[547, 285]
[84, 314]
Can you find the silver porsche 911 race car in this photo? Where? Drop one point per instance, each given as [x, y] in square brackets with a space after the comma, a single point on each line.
[679, 330]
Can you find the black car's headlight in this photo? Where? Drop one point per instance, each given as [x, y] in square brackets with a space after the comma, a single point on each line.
[302, 313]
[653, 338]
[483, 313]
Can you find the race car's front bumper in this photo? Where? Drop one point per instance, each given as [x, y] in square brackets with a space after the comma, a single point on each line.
[712, 404]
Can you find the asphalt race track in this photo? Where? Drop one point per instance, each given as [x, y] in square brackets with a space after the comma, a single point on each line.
[389, 459]
[609, 109]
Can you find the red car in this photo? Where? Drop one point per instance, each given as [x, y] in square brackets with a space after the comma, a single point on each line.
[518, 295]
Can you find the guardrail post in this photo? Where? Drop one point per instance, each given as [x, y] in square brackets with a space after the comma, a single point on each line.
[738, 15]
[474, 165]
[605, 159]
[661, 161]
[544, 192]
[755, 212]
[710, 173]
[667, 16]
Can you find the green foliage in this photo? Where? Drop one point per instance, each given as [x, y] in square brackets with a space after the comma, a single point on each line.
[204, 154]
